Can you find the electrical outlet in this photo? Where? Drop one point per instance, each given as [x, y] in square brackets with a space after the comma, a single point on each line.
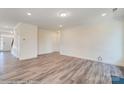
[100, 58]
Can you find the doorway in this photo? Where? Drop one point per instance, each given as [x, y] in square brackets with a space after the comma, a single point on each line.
[5, 42]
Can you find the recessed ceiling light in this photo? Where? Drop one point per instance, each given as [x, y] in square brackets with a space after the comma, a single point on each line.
[104, 14]
[29, 14]
[63, 14]
[11, 32]
[60, 25]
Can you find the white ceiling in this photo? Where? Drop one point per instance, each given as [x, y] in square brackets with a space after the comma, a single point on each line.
[46, 18]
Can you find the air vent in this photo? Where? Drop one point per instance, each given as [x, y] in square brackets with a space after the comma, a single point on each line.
[115, 9]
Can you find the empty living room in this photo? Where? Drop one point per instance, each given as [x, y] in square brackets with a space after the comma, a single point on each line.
[61, 45]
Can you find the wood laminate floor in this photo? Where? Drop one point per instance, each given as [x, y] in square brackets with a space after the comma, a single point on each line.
[54, 68]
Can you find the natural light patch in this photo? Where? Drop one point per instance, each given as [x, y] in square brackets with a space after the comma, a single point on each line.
[1, 43]
[7, 36]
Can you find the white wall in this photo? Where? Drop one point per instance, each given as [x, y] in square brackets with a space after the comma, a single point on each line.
[25, 45]
[47, 41]
[28, 41]
[122, 60]
[103, 39]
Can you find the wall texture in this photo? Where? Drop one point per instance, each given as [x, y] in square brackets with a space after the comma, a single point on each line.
[47, 41]
[103, 39]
